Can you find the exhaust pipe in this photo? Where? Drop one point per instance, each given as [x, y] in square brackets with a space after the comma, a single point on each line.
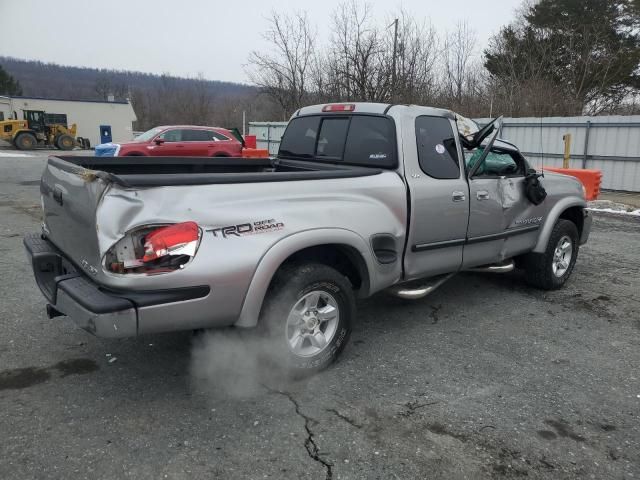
[52, 312]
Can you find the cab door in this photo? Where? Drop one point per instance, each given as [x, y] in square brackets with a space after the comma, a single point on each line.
[171, 144]
[438, 196]
[502, 222]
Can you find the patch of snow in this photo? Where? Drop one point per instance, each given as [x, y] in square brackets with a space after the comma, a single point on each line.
[14, 154]
[633, 213]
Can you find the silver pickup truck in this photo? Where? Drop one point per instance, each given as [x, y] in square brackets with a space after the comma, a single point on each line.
[361, 198]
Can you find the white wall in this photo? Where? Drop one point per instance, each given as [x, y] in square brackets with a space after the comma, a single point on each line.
[88, 116]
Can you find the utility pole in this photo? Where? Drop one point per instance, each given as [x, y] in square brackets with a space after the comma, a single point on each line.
[393, 67]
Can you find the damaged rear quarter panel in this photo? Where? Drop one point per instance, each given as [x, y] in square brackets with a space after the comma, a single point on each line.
[241, 224]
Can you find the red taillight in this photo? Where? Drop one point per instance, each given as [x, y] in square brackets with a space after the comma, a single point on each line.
[339, 107]
[178, 239]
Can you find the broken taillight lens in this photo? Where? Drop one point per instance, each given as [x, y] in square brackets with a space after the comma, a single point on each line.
[178, 239]
[152, 250]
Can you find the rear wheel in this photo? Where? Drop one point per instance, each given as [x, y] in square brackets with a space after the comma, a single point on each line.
[65, 142]
[308, 315]
[551, 269]
[25, 141]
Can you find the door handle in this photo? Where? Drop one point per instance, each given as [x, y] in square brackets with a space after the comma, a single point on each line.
[458, 196]
[482, 195]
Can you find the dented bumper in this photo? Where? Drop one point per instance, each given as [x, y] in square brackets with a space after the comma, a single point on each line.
[94, 308]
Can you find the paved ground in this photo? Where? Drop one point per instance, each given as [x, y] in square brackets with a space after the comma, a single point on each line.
[627, 198]
[486, 378]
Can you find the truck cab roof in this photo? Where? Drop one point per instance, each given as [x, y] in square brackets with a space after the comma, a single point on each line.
[372, 108]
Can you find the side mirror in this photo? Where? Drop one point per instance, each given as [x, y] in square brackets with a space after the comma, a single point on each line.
[159, 141]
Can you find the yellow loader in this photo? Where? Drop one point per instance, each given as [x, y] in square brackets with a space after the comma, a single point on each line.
[39, 129]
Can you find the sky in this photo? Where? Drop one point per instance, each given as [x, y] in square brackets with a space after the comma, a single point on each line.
[212, 38]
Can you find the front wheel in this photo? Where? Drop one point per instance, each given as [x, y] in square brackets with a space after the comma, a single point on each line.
[308, 314]
[65, 142]
[25, 141]
[551, 269]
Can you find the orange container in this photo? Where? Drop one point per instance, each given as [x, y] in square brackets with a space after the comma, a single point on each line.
[591, 179]
[255, 153]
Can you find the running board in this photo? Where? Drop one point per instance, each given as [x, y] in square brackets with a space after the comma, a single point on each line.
[504, 267]
[418, 288]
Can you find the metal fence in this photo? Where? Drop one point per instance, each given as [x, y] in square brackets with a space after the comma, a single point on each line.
[608, 143]
[268, 134]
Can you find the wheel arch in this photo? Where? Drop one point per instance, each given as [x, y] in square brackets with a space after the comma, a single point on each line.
[341, 249]
[23, 131]
[570, 208]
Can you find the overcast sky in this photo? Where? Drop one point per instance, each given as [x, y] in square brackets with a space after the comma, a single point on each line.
[192, 37]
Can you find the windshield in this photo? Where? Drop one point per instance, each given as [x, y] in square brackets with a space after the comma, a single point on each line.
[148, 135]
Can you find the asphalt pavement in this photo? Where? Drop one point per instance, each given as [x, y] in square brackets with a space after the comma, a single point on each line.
[485, 378]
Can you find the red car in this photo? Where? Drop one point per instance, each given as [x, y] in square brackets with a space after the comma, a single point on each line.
[177, 141]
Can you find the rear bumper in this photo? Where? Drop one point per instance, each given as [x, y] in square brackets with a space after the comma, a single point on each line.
[100, 311]
[586, 226]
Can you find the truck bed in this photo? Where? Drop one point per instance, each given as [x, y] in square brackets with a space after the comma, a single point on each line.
[167, 171]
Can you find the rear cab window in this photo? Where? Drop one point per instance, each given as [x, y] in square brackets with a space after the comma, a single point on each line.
[366, 140]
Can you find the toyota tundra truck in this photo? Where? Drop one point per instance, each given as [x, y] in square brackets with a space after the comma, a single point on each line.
[361, 198]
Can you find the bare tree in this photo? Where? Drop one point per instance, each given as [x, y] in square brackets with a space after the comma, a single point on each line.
[283, 71]
[356, 58]
[416, 57]
[459, 49]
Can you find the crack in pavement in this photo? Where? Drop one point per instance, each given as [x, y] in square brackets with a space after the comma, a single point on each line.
[342, 416]
[411, 407]
[309, 443]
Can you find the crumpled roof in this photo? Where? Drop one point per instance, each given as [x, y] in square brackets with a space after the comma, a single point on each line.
[466, 127]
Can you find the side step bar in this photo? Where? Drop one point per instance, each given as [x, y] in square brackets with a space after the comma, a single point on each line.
[419, 288]
[504, 267]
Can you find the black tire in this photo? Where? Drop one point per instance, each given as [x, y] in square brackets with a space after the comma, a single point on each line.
[25, 141]
[539, 267]
[291, 285]
[65, 142]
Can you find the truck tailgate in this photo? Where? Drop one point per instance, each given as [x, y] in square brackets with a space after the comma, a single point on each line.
[70, 197]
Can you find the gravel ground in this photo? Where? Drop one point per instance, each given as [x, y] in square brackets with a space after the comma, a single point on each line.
[485, 378]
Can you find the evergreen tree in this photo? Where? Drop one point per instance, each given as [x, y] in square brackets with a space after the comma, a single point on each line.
[8, 85]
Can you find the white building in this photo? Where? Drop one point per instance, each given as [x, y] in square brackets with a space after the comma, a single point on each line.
[90, 116]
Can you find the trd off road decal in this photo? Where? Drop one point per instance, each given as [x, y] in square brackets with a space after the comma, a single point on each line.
[242, 229]
[528, 221]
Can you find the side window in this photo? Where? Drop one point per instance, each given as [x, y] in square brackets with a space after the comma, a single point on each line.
[196, 135]
[299, 139]
[217, 136]
[370, 141]
[333, 133]
[497, 164]
[171, 136]
[437, 153]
